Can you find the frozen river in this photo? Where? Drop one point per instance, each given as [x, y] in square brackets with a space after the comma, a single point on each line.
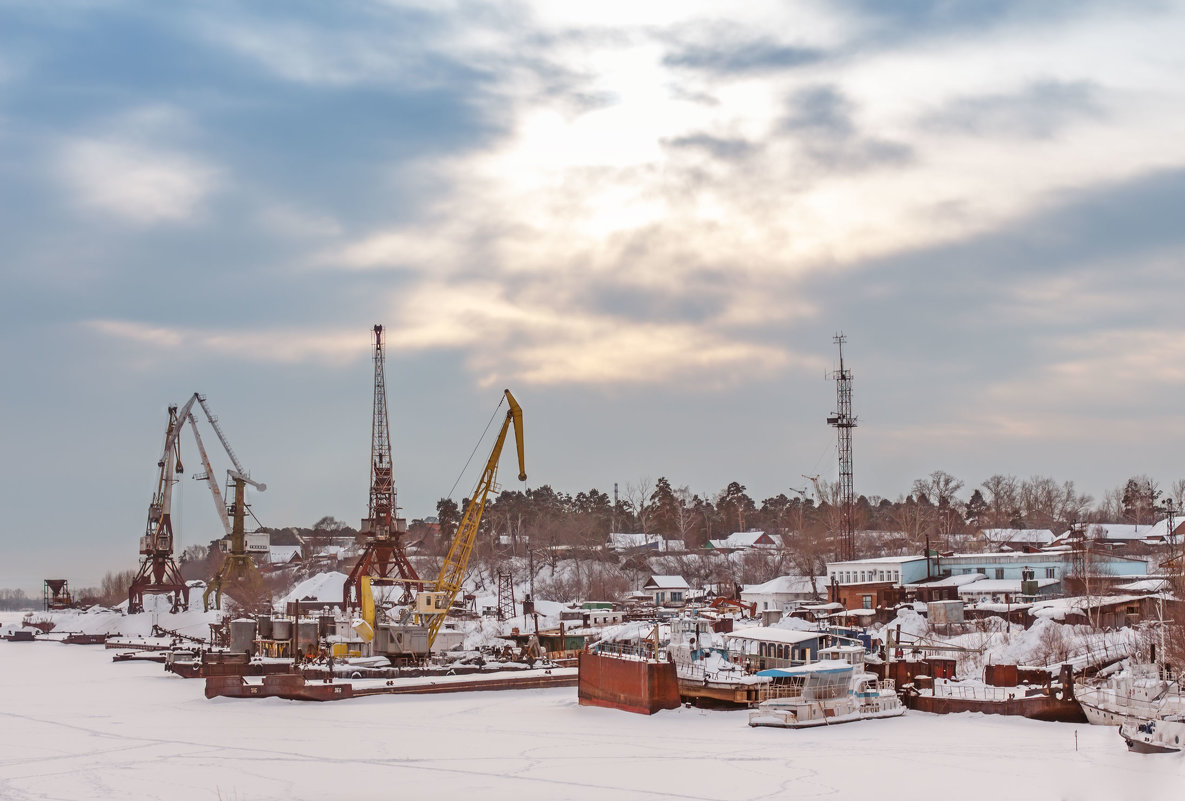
[76, 726]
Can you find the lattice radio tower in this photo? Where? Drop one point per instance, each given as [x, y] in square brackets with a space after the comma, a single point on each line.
[506, 606]
[383, 558]
[844, 421]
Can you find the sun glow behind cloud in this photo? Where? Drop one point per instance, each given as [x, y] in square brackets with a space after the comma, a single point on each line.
[706, 168]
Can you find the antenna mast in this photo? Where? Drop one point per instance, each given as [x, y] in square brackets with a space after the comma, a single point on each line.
[844, 421]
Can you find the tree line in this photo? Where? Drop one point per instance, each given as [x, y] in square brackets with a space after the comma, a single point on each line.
[937, 510]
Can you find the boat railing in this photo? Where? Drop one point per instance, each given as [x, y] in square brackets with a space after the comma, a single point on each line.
[973, 692]
[778, 690]
[696, 670]
[629, 650]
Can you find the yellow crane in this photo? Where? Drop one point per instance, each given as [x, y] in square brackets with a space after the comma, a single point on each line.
[432, 606]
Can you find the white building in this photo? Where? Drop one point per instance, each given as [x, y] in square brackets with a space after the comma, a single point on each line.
[784, 591]
[744, 540]
[667, 590]
[896, 569]
[628, 541]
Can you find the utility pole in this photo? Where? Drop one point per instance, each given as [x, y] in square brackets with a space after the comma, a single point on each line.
[844, 421]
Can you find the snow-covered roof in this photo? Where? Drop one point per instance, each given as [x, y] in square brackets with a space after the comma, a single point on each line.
[992, 586]
[880, 560]
[1160, 529]
[1016, 536]
[624, 541]
[787, 585]
[949, 581]
[666, 583]
[1145, 585]
[1058, 608]
[1119, 531]
[743, 539]
[326, 587]
[766, 634]
[282, 554]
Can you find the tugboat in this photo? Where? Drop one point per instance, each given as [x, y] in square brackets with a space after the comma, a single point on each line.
[1154, 735]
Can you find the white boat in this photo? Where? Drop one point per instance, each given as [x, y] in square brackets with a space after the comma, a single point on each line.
[1130, 696]
[823, 694]
[1155, 735]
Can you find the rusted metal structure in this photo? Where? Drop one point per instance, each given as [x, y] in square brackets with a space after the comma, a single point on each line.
[506, 603]
[158, 573]
[57, 595]
[643, 686]
[295, 687]
[383, 557]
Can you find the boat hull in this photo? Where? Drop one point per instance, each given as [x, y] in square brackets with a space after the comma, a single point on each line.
[1153, 736]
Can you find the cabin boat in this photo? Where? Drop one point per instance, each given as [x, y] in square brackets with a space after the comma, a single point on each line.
[824, 693]
[1130, 696]
[1154, 735]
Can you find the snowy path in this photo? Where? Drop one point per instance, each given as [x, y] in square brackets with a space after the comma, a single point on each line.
[75, 726]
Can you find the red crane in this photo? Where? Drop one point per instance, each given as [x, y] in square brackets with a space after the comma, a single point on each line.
[383, 558]
[158, 573]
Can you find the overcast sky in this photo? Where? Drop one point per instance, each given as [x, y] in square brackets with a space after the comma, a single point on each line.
[647, 219]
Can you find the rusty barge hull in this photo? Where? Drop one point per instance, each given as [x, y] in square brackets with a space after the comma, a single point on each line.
[294, 687]
[1037, 707]
[631, 685]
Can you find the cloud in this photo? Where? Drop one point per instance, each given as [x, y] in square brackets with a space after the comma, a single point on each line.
[134, 182]
[388, 45]
[732, 58]
[821, 118]
[727, 149]
[1041, 110]
[282, 346]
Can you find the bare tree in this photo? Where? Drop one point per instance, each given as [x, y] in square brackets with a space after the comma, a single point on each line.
[637, 497]
[1003, 499]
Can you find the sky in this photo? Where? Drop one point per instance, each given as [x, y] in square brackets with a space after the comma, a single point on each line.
[649, 220]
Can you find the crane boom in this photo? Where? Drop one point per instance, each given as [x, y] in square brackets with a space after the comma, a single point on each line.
[238, 472]
[452, 572]
[219, 503]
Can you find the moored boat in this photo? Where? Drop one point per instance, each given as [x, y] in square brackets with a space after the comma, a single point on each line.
[1154, 735]
[823, 694]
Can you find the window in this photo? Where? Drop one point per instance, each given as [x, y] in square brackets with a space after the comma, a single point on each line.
[867, 601]
[862, 577]
[882, 575]
[999, 572]
[659, 597]
[676, 596]
[1051, 572]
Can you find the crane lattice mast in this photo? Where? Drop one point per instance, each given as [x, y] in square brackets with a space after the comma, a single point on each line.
[844, 421]
[383, 558]
[158, 573]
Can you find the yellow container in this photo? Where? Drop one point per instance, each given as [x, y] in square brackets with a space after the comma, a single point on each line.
[340, 649]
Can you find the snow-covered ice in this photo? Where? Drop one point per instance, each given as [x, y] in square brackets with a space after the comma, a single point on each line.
[76, 726]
